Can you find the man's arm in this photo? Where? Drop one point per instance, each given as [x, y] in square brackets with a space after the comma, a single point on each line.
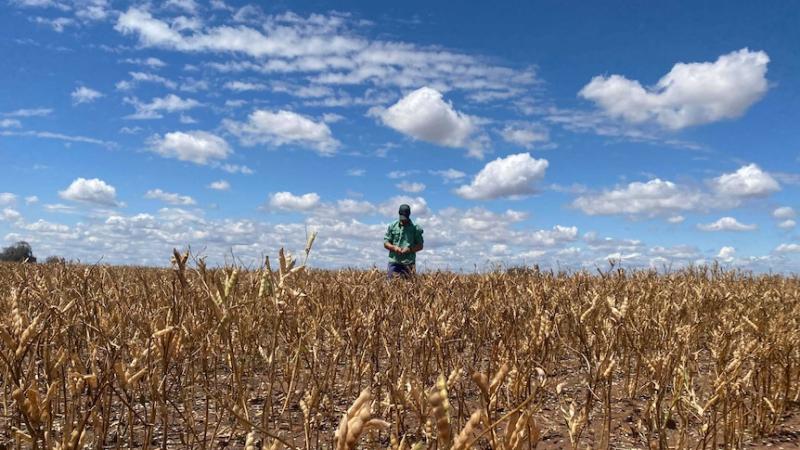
[419, 241]
[391, 247]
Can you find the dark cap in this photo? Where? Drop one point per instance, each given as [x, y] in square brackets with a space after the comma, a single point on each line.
[405, 211]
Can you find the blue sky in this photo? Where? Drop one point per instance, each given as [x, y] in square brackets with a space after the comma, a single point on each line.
[533, 132]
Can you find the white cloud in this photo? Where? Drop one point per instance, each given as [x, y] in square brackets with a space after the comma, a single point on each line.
[188, 6]
[327, 50]
[58, 137]
[30, 112]
[424, 115]
[655, 197]
[481, 220]
[748, 181]
[788, 248]
[7, 199]
[726, 224]
[170, 103]
[242, 86]
[237, 168]
[449, 175]
[397, 174]
[31, 199]
[58, 24]
[169, 197]
[787, 224]
[512, 176]
[555, 236]
[526, 135]
[661, 197]
[676, 219]
[143, 77]
[690, 94]
[92, 10]
[85, 95]
[41, 4]
[93, 190]
[58, 208]
[411, 187]
[332, 118]
[10, 123]
[287, 201]
[278, 128]
[220, 185]
[198, 147]
[350, 206]
[726, 254]
[356, 172]
[784, 212]
[419, 207]
[151, 62]
[10, 215]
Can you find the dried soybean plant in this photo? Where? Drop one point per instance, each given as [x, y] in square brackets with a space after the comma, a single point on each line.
[123, 357]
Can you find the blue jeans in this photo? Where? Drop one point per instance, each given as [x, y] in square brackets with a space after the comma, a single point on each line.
[399, 270]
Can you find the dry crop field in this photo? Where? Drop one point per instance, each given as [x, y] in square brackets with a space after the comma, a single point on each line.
[189, 357]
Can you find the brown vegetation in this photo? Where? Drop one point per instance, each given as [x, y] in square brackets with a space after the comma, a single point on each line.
[117, 357]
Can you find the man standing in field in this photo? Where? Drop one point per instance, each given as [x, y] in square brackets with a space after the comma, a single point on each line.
[403, 240]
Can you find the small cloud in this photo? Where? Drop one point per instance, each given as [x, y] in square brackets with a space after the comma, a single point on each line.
[411, 187]
[788, 248]
[10, 215]
[419, 207]
[58, 24]
[169, 197]
[784, 212]
[397, 174]
[356, 172]
[424, 114]
[237, 168]
[85, 95]
[726, 254]
[170, 103]
[354, 207]
[449, 175]
[748, 181]
[526, 135]
[220, 185]
[29, 112]
[676, 219]
[278, 128]
[93, 190]
[7, 199]
[153, 63]
[10, 123]
[286, 201]
[726, 224]
[242, 86]
[332, 118]
[511, 177]
[198, 147]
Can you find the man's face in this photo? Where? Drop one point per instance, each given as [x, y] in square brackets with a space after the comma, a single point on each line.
[403, 221]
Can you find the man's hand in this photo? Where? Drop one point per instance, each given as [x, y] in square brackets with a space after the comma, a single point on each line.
[403, 250]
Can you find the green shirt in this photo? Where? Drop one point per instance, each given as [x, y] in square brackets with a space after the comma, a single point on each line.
[403, 237]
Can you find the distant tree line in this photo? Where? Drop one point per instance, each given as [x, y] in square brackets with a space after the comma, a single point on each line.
[22, 252]
[19, 252]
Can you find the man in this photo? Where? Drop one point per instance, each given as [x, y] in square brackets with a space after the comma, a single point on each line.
[403, 240]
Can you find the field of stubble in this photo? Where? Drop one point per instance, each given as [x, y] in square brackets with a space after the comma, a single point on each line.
[120, 357]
